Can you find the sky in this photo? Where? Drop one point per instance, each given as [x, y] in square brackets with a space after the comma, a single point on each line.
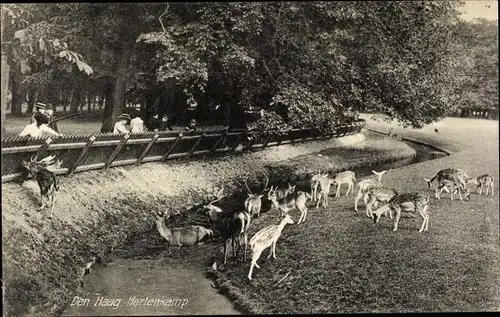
[487, 9]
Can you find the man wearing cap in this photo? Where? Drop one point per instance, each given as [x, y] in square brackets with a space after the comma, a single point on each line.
[40, 108]
[120, 125]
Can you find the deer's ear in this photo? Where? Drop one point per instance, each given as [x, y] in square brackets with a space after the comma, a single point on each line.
[249, 195]
[260, 196]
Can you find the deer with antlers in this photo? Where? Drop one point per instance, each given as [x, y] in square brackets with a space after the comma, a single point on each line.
[233, 227]
[253, 203]
[46, 179]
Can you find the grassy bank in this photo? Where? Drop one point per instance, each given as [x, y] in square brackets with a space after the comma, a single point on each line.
[340, 262]
[97, 211]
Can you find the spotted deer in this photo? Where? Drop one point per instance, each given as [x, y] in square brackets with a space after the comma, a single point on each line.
[286, 204]
[253, 203]
[365, 185]
[265, 238]
[483, 181]
[315, 182]
[450, 177]
[347, 177]
[410, 203]
[379, 194]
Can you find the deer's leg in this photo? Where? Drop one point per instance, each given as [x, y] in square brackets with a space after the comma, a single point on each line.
[358, 196]
[492, 186]
[41, 201]
[397, 211]
[52, 204]
[478, 190]
[255, 257]
[270, 252]
[319, 199]
[425, 216]
[338, 191]
[369, 211]
[438, 191]
[274, 249]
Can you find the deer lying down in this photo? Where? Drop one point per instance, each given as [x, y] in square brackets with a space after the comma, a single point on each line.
[180, 236]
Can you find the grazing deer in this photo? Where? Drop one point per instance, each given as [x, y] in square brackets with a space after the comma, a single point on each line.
[315, 182]
[483, 181]
[253, 203]
[451, 177]
[347, 177]
[410, 203]
[365, 185]
[324, 190]
[180, 236]
[286, 204]
[379, 194]
[47, 182]
[233, 227]
[265, 238]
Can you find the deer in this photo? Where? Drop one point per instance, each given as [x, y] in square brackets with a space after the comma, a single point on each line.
[253, 203]
[410, 203]
[286, 204]
[365, 185]
[315, 182]
[379, 194]
[233, 227]
[189, 235]
[47, 182]
[451, 177]
[347, 177]
[324, 190]
[265, 238]
[483, 181]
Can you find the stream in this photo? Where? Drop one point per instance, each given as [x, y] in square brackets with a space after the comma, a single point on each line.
[146, 278]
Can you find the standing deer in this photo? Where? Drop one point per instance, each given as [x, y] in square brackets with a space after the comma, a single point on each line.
[315, 182]
[253, 203]
[347, 177]
[451, 177]
[47, 182]
[483, 181]
[365, 185]
[286, 204]
[265, 238]
[325, 184]
[233, 227]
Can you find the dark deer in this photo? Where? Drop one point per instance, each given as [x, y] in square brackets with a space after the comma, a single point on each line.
[47, 182]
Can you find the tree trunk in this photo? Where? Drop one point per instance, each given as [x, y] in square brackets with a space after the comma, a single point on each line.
[17, 100]
[76, 100]
[5, 86]
[118, 97]
[107, 119]
[101, 101]
[31, 100]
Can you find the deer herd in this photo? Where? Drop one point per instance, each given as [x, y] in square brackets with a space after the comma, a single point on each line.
[233, 227]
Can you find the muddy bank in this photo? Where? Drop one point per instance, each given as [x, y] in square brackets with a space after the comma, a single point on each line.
[97, 211]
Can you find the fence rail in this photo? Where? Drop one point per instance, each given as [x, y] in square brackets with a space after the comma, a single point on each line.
[83, 152]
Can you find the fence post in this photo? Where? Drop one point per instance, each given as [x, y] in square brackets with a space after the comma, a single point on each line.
[81, 156]
[196, 144]
[116, 151]
[170, 149]
[219, 141]
[303, 132]
[143, 154]
[267, 140]
[43, 148]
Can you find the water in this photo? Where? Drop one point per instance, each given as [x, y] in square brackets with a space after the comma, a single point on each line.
[172, 279]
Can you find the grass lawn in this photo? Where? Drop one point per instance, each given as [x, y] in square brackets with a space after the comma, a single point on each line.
[340, 262]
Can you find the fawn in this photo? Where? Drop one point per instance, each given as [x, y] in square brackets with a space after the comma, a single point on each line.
[483, 181]
[265, 238]
[347, 177]
[286, 204]
[379, 194]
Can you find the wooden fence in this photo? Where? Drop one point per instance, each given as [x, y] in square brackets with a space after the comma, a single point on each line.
[83, 152]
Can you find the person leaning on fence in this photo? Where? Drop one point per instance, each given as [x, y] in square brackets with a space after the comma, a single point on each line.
[39, 128]
[39, 108]
[137, 124]
[191, 127]
[120, 128]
